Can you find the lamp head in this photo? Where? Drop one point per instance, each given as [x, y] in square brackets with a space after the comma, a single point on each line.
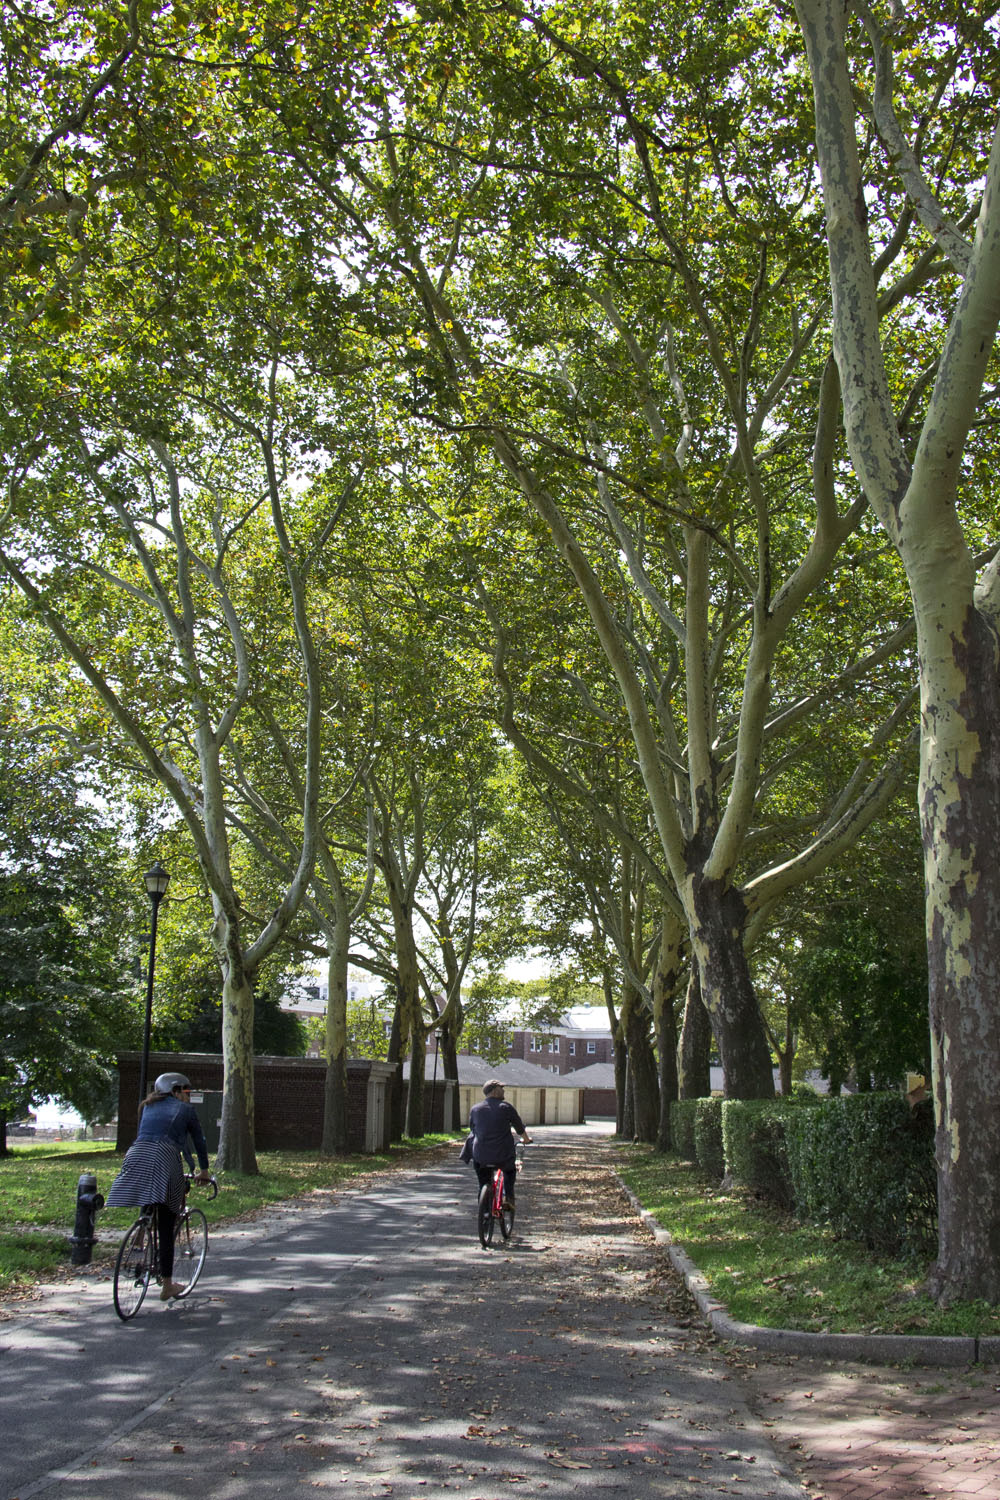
[157, 879]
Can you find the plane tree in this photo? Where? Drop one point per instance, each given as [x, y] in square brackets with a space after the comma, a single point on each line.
[124, 542]
[924, 89]
[679, 442]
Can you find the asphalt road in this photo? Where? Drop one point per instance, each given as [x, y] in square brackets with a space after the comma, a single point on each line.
[365, 1344]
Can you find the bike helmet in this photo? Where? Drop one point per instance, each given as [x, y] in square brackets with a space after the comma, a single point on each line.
[167, 1082]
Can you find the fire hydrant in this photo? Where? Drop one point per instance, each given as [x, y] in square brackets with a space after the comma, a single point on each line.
[88, 1201]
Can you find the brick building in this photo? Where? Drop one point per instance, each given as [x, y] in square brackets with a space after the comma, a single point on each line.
[578, 1042]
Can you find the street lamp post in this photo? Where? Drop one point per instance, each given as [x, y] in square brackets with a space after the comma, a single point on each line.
[157, 879]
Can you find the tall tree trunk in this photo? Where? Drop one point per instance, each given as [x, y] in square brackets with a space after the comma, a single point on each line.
[449, 1071]
[416, 1097]
[394, 1055]
[645, 1089]
[665, 982]
[618, 1051]
[960, 809]
[627, 1127]
[694, 1053]
[411, 1016]
[727, 990]
[236, 1142]
[335, 1138]
[958, 618]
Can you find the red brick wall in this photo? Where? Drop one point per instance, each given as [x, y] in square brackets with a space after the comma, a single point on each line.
[601, 1103]
[288, 1096]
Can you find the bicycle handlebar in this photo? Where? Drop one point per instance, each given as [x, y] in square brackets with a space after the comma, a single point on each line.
[212, 1183]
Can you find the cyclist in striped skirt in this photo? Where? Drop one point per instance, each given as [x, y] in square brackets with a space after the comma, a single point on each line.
[153, 1173]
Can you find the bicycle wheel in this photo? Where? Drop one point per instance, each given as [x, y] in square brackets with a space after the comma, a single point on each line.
[190, 1248]
[486, 1215]
[133, 1269]
[507, 1221]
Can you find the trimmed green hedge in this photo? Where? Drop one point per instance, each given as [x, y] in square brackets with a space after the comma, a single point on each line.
[861, 1163]
[864, 1164]
[682, 1127]
[708, 1152]
[753, 1139]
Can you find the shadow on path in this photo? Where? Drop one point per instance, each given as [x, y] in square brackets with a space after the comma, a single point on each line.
[369, 1346]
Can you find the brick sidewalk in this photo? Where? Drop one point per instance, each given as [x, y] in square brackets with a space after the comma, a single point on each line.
[853, 1432]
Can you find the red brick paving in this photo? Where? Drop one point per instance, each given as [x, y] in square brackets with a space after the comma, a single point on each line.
[856, 1432]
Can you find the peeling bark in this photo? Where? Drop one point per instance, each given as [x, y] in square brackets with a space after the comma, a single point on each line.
[958, 653]
[727, 990]
[694, 1079]
[335, 1139]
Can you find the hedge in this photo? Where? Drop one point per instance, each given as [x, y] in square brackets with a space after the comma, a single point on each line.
[753, 1141]
[682, 1127]
[864, 1164]
[708, 1152]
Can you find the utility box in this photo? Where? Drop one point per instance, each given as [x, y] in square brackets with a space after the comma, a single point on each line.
[208, 1107]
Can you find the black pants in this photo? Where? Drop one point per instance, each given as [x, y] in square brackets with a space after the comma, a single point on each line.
[485, 1175]
[166, 1223]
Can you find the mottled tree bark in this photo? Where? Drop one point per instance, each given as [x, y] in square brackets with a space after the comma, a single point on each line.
[957, 618]
[665, 985]
[335, 1140]
[694, 1078]
[727, 990]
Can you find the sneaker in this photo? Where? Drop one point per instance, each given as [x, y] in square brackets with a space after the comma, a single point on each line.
[170, 1289]
[508, 1203]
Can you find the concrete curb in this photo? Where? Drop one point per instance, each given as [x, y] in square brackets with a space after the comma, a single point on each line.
[874, 1348]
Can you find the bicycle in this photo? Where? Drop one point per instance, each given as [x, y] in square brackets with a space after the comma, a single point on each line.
[492, 1208]
[139, 1254]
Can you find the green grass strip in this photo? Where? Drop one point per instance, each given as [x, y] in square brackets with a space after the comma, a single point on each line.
[769, 1268]
[38, 1195]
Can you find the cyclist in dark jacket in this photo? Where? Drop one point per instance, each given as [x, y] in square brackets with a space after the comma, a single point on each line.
[152, 1172]
[491, 1123]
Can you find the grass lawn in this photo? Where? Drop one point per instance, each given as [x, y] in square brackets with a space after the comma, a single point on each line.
[771, 1269]
[38, 1197]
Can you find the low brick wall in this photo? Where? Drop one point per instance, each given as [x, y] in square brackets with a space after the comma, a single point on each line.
[600, 1104]
[288, 1096]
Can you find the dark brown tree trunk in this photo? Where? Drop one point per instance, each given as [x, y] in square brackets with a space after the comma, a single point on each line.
[961, 833]
[728, 992]
[395, 1056]
[666, 1051]
[335, 1140]
[236, 1152]
[619, 1054]
[694, 1080]
[627, 1127]
[416, 1094]
[449, 1070]
[645, 1087]
[665, 983]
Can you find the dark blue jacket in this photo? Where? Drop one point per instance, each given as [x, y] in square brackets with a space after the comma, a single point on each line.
[491, 1123]
[171, 1119]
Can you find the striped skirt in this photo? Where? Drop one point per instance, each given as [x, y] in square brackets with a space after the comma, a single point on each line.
[152, 1172]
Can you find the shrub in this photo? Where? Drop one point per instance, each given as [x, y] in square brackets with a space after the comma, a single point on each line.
[682, 1127]
[864, 1164]
[753, 1141]
[708, 1152]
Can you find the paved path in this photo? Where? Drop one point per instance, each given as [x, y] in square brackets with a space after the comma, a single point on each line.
[363, 1343]
[368, 1346]
[859, 1433]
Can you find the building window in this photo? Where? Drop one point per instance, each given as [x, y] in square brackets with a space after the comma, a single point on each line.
[572, 1049]
[554, 1044]
[591, 1048]
[536, 1045]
